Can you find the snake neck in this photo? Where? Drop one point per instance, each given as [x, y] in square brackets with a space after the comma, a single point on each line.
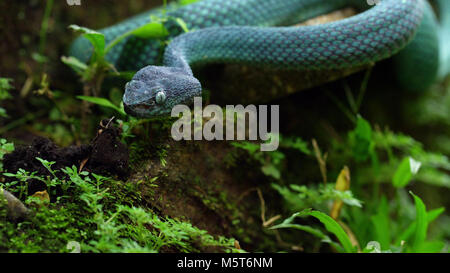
[175, 56]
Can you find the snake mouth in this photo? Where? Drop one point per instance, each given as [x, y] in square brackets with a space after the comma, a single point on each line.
[145, 110]
[140, 111]
[128, 109]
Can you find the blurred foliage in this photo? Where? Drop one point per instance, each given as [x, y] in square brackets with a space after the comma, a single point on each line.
[380, 213]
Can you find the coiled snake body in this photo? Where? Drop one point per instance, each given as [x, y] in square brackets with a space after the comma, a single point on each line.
[257, 32]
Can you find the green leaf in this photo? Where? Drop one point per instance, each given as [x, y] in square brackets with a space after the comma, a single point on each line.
[5, 86]
[102, 102]
[187, 2]
[271, 170]
[77, 65]
[39, 57]
[431, 216]
[314, 231]
[3, 113]
[127, 75]
[380, 221]
[151, 30]
[154, 29]
[363, 129]
[295, 143]
[97, 40]
[361, 140]
[430, 247]
[182, 24]
[332, 226]
[5, 148]
[434, 214]
[420, 233]
[404, 173]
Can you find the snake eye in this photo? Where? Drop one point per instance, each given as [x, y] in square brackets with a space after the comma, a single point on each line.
[160, 97]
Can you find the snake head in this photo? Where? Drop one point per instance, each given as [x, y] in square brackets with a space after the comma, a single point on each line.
[155, 90]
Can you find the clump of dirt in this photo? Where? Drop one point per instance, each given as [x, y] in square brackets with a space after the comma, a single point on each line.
[105, 155]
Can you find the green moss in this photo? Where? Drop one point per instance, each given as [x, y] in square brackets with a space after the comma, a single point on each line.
[102, 215]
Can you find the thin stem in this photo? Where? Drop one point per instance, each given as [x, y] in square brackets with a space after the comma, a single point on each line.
[363, 89]
[344, 109]
[164, 7]
[44, 26]
[350, 98]
[117, 40]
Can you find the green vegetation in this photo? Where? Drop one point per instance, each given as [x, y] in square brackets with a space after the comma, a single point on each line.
[373, 224]
[360, 187]
[96, 212]
[5, 86]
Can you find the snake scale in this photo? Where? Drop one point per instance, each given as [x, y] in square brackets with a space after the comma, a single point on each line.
[260, 33]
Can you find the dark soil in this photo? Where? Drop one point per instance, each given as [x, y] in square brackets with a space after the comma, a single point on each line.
[105, 155]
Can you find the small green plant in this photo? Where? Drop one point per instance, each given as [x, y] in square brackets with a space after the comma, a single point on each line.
[93, 74]
[96, 212]
[98, 65]
[186, 2]
[383, 224]
[300, 197]
[330, 224]
[40, 55]
[5, 147]
[360, 140]
[404, 151]
[413, 239]
[271, 162]
[5, 87]
[104, 102]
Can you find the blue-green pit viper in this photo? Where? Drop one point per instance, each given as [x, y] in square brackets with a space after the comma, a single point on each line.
[260, 33]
